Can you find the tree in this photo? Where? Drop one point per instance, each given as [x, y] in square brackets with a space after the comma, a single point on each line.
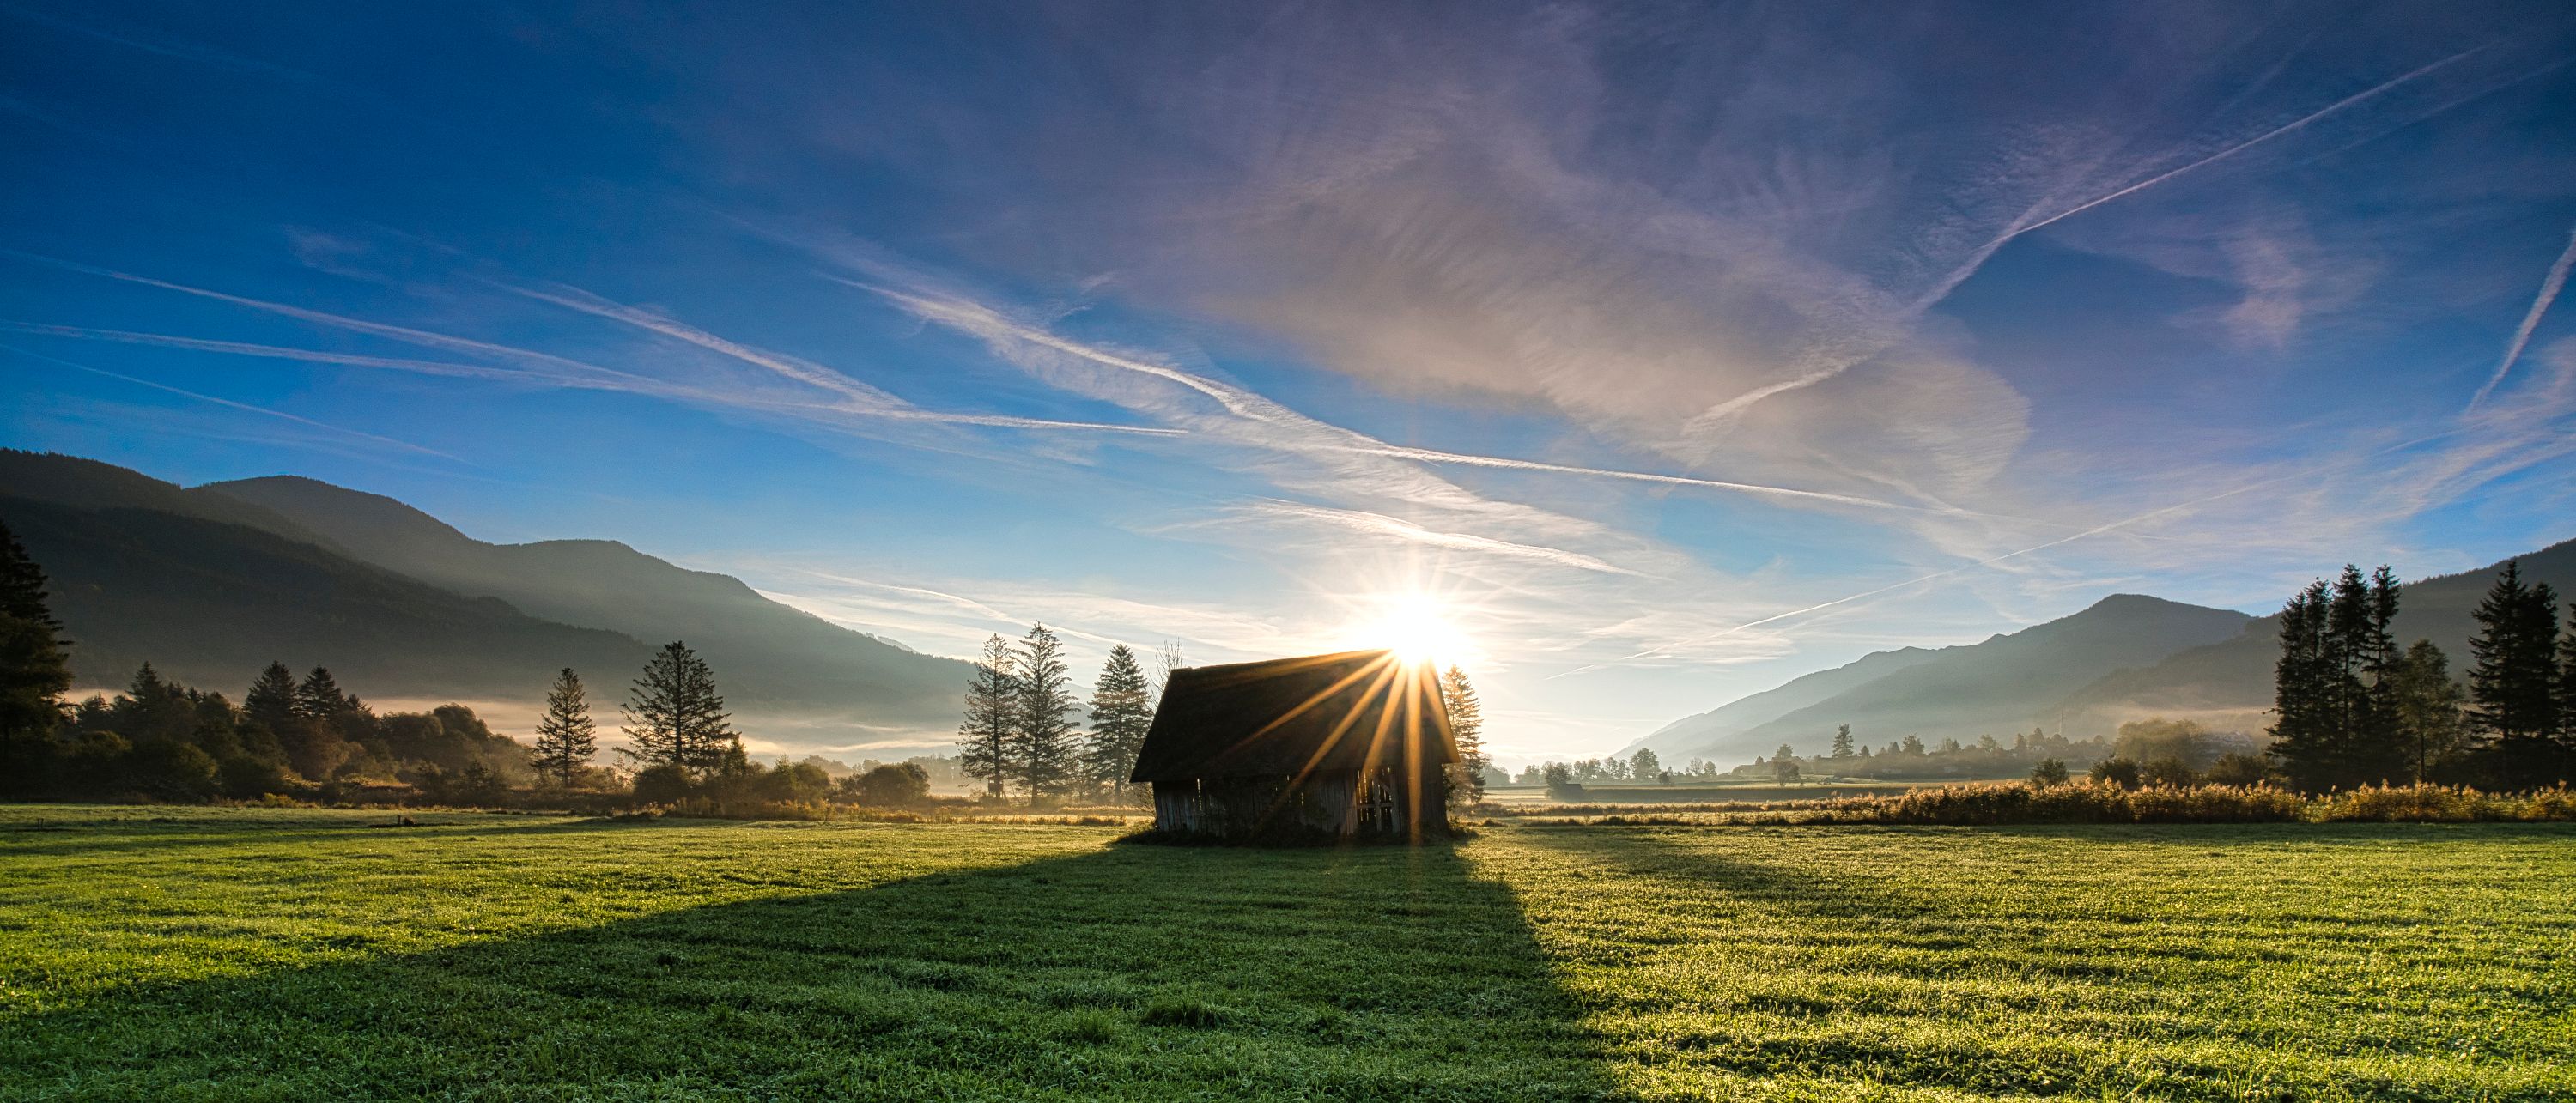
[1843, 741]
[35, 663]
[2304, 735]
[2567, 677]
[1042, 739]
[566, 739]
[2425, 704]
[1913, 745]
[271, 702]
[2050, 771]
[893, 785]
[1786, 764]
[320, 698]
[984, 738]
[1467, 726]
[1645, 766]
[1166, 660]
[675, 717]
[1560, 782]
[2122, 772]
[1122, 709]
[2510, 683]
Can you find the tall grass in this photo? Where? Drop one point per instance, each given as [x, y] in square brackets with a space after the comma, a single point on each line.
[2011, 802]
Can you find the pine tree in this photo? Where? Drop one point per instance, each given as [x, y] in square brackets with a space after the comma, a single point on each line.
[2516, 655]
[320, 698]
[2426, 704]
[2303, 692]
[1122, 709]
[271, 702]
[992, 701]
[2567, 679]
[566, 736]
[1843, 741]
[35, 663]
[674, 715]
[1042, 739]
[1467, 728]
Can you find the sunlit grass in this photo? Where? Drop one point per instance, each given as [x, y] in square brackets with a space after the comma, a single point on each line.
[301, 954]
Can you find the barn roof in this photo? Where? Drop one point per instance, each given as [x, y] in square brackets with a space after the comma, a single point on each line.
[1353, 710]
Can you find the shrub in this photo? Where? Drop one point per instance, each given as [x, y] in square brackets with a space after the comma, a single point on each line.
[662, 785]
[2050, 771]
[170, 770]
[895, 785]
[2121, 772]
[245, 777]
[2238, 768]
[2169, 770]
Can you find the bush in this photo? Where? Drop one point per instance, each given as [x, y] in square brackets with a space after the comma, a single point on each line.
[170, 770]
[793, 783]
[897, 785]
[662, 785]
[245, 777]
[2121, 772]
[2238, 768]
[2050, 771]
[2172, 771]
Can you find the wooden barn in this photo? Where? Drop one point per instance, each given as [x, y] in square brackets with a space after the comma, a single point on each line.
[1348, 745]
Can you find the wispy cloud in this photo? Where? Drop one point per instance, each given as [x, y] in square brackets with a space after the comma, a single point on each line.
[401, 445]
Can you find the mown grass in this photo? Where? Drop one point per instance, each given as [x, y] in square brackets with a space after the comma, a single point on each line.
[294, 954]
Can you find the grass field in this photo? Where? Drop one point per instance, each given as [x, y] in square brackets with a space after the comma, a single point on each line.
[175, 953]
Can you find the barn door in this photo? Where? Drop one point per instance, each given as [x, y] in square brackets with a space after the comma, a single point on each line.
[1377, 801]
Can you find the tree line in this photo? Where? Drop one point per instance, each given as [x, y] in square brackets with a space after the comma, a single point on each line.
[2352, 708]
[308, 737]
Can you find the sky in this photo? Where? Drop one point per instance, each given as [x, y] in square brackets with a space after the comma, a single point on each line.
[1635, 357]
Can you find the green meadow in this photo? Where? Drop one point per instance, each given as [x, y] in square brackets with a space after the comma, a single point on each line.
[164, 953]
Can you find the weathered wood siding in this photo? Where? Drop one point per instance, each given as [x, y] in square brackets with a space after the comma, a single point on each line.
[1339, 802]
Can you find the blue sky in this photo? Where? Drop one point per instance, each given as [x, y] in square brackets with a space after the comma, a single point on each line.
[1661, 352]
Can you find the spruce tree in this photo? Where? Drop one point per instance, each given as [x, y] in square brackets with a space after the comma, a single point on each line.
[35, 661]
[2426, 705]
[320, 698]
[1042, 739]
[992, 714]
[271, 702]
[1843, 741]
[566, 736]
[2305, 682]
[2515, 655]
[2567, 679]
[1122, 709]
[674, 715]
[1467, 727]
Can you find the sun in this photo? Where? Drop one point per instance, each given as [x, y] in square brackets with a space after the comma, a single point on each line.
[1417, 627]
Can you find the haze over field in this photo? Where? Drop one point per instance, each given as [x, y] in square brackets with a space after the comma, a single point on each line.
[1637, 358]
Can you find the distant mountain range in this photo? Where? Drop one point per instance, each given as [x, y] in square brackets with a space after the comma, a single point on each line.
[2126, 657]
[210, 583]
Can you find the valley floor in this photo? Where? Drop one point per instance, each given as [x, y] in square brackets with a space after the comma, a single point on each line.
[158, 953]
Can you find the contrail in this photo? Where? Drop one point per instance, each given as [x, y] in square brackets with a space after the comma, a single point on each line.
[876, 401]
[581, 373]
[2240, 147]
[976, 318]
[2549, 288]
[402, 444]
[1977, 259]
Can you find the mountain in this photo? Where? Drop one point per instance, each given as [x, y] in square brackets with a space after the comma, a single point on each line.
[766, 655]
[143, 570]
[2229, 684]
[2005, 684]
[211, 583]
[2126, 657]
[1677, 740]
